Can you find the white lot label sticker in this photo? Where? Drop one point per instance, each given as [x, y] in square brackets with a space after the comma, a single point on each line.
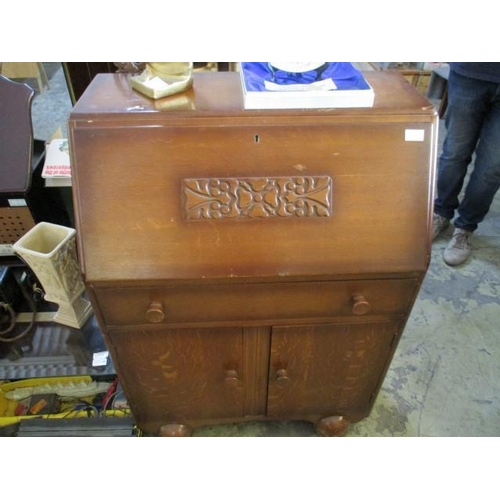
[17, 203]
[414, 135]
[100, 358]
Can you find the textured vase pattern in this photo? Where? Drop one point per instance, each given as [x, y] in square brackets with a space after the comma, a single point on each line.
[59, 274]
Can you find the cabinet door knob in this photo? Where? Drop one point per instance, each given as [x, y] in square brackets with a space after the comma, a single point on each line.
[360, 305]
[282, 377]
[231, 378]
[155, 313]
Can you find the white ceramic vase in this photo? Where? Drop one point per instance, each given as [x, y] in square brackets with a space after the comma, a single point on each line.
[50, 251]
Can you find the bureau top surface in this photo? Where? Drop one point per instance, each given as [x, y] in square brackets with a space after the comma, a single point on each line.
[110, 96]
[195, 187]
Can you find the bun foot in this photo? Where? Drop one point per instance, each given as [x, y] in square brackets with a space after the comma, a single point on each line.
[336, 426]
[175, 430]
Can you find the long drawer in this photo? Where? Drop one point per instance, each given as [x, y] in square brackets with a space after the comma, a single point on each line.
[262, 302]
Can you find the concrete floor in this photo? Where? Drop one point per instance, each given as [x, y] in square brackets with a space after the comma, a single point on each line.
[444, 379]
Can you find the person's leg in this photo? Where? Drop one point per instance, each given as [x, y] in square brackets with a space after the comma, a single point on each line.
[482, 186]
[467, 105]
[484, 180]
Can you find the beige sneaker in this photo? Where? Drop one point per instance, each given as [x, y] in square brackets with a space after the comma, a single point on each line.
[459, 248]
[439, 224]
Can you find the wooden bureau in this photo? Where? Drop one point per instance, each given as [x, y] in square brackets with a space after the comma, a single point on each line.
[251, 265]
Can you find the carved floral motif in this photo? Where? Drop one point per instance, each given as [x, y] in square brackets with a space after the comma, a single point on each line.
[257, 197]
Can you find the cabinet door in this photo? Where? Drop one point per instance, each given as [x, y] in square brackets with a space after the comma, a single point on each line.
[327, 370]
[179, 374]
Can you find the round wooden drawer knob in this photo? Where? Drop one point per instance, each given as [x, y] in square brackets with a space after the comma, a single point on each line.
[282, 378]
[231, 378]
[360, 305]
[155, 313]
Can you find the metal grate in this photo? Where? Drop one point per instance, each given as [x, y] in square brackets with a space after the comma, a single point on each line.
[77, 427]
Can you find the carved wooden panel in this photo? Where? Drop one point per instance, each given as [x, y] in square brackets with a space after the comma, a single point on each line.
[257, 197]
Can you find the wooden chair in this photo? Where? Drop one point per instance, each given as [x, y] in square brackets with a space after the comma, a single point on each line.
[24, 201]
[17, 70]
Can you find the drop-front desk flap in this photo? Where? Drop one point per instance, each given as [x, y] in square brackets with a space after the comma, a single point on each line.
[206, 189]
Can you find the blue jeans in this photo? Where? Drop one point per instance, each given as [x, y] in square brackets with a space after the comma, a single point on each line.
[473, 125]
